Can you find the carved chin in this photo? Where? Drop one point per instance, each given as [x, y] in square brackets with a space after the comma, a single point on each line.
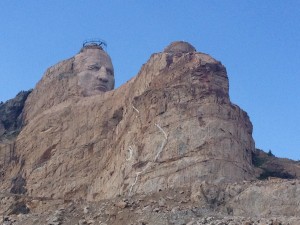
[86, 93]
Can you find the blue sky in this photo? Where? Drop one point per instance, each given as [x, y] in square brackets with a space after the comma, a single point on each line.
[257, 40]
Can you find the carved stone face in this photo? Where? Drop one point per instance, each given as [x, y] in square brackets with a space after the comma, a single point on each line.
[95, 71]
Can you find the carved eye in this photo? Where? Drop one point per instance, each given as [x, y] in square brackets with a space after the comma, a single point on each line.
[93, 67]
[109, 72]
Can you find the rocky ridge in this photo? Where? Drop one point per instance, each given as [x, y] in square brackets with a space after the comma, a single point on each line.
[267, 165]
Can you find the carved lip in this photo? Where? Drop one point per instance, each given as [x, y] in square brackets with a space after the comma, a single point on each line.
[101, 87]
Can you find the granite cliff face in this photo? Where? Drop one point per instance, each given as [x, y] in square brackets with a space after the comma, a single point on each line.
[172, 126]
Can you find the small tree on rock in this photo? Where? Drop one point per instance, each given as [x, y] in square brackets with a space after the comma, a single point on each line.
[270, 153]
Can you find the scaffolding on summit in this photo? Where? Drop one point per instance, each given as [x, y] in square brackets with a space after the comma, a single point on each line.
[95, 42]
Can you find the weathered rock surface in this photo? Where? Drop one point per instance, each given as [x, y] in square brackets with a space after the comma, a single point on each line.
[171, 127]
[57, 85]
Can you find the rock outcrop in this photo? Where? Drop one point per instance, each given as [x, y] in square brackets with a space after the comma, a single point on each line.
[11, 115]
[268, 166]
[171, 127]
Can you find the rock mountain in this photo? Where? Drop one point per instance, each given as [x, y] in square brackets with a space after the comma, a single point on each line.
[170, 129]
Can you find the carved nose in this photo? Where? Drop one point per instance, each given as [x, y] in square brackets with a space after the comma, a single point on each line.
[102, 75]
[103, 79]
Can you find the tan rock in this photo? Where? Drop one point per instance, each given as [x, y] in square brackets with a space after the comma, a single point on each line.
[122, 204]
[170, 126]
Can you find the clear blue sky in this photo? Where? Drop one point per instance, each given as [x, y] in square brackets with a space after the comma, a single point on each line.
[258, 42]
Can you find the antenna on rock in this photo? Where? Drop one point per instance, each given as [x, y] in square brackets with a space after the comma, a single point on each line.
[95, 42]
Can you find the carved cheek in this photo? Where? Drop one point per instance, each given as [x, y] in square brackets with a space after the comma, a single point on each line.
[84, 79]
[111, 82]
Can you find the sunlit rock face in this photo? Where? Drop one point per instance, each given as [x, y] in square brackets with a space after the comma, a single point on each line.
[172, 125]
